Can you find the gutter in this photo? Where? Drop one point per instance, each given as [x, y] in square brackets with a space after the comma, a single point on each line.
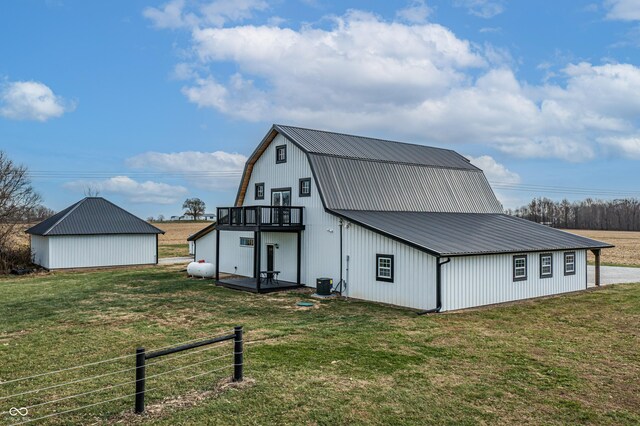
[438, 287]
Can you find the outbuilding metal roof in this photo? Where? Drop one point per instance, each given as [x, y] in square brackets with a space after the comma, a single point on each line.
[460, 234]
[93, 216]
[201, 233]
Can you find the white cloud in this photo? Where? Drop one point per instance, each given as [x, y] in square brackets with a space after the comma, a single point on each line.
[416, 12]
[206, 170]
[500, 179]
[485, 30]
[133, 191]
[494, 171]
[177, 13]
[31, 100]
[482, 8]
[170, 15]
[417, 81]
[623, 10]
[628, 146]
[221, 11]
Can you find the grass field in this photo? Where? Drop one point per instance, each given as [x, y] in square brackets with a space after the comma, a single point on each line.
[174, 242]
[573, 359]
[626, 251]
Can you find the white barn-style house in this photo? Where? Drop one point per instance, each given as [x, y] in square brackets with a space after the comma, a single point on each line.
[390, 222]
[93, 233]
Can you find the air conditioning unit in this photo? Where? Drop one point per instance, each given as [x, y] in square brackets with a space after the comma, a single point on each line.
[323, 286]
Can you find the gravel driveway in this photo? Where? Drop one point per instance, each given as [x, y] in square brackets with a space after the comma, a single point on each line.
[613, 275]
[174, 260]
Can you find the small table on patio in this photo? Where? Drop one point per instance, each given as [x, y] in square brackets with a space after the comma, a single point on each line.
[269, 277]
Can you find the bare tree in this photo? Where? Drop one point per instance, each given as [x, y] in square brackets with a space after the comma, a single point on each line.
[91, 191]
[194, 207]
[160, 218]
[18, 200]
[614, 215]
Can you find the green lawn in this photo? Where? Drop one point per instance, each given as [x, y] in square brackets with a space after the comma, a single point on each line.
[573, 359]
[173, 250]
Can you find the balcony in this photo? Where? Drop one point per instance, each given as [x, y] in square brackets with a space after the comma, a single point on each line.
[260, 218]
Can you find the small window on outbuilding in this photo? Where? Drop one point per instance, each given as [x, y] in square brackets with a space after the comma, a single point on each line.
[520, 268]
[246, 242]
[570, 263]
[305, 187]
[384, 267]
[546, 265]
[259, 191]
[281, 154]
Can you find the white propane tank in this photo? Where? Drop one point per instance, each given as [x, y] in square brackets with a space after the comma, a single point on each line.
[201, 269]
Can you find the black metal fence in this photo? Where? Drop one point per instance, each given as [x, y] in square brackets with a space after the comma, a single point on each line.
[142, 356]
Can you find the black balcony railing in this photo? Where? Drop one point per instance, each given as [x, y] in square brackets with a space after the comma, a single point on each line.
[261, 216]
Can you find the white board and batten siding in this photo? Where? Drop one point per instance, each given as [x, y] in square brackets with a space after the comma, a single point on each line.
[414, 281]
[285, 254]
[320, 239]
[88, 251]
[234, 258]
[40, 250]
[484, 280]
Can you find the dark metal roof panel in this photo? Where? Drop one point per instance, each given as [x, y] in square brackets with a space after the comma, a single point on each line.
[459, 234]
[350, 146]
[201, 233]
[352, 184]
[93, 216]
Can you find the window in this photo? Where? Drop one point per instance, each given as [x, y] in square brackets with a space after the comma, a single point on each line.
[519, 268]
[281, 154]
[384, 267]
[246, 242]
[570, 263]
[546, 265]
[259, 191]
[281, 197]
[305, 187]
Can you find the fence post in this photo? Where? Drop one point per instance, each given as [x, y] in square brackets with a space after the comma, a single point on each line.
[140, 379]
[237, 354]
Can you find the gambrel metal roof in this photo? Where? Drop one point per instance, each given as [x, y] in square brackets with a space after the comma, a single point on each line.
[364, 148]
[93, 216]
[463, 234]
[351, 184]
[360, 173]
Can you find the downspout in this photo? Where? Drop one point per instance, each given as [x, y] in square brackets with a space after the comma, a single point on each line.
[438, 287]
[340, 282]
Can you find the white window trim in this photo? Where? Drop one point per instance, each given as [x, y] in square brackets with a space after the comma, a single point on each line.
[571, 271]
[544, 274]
[388, 273]
[523, 275]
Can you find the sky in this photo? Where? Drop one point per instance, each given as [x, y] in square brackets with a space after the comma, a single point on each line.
[151, 103]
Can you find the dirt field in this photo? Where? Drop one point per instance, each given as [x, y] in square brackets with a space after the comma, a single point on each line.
[177, 232]
[174, 241]
[627, 246]
[20, 237]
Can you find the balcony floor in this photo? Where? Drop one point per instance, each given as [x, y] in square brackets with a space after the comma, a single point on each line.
[249, 284]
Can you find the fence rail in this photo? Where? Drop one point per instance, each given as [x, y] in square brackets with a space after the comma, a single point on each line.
[20, 403]
[142, 356]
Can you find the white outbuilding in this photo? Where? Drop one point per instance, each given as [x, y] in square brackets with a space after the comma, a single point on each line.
[93, 233]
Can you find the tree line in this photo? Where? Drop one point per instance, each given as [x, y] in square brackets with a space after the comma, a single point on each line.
[611, 215]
